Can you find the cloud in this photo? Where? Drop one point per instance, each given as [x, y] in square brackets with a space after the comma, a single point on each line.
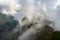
[31, 8]
[57, 18]
[12, 5]
[43, 7]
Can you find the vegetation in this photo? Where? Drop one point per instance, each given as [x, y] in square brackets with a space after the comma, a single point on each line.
[52, 36]
[56, 35]
[46, 34]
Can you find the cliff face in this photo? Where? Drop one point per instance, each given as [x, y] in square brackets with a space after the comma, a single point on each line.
[29, 31]
[32, 30]
[8, 27]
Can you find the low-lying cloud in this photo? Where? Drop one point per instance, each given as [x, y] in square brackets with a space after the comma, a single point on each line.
[31, 9]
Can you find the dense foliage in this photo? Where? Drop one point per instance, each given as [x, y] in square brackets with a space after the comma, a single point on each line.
[52, 36]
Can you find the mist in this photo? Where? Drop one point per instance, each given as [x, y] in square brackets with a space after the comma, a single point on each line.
[44, 12]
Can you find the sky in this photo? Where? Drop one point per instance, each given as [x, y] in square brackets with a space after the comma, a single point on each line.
[32, 9]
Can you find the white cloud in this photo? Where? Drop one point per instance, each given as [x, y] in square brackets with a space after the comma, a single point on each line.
[12, 5]
[45, 7]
